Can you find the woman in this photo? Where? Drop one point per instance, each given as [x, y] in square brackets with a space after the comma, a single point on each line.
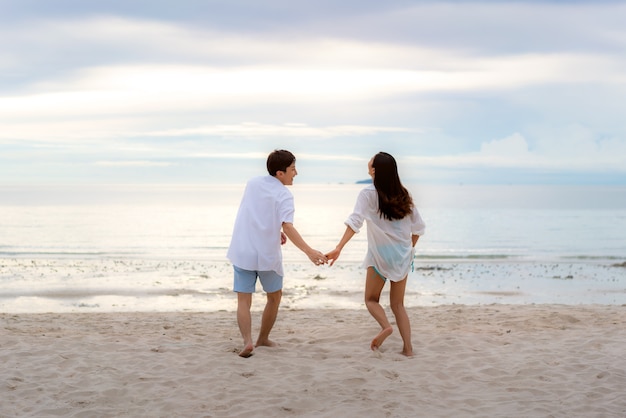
[393, 227]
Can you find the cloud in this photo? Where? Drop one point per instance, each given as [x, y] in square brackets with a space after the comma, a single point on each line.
[514, 145]
[522, 85]
[582, 153]
[491, 27]
[133, 163]
[294, 130]
[127, 93]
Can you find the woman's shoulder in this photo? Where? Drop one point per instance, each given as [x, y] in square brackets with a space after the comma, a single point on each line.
[368, 197]
[368, 191]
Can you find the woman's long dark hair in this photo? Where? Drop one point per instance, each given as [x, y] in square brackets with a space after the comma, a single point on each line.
[394, 200]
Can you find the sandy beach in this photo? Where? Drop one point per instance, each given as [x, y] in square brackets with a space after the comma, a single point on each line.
[488, 361]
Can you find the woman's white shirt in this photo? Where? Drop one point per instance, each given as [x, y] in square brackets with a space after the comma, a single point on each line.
[389, 245]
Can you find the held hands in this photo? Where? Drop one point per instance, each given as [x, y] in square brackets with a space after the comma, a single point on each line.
[289, 232]
[317, 257]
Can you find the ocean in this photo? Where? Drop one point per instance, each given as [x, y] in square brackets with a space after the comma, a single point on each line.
[162, 247]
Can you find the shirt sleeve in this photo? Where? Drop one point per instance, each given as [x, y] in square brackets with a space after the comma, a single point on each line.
[418, 226]
[356, 219]
[286, 209]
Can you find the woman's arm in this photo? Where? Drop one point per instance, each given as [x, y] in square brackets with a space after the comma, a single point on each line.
[334, 254]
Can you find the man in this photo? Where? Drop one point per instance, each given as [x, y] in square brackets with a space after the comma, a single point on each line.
[267, 207]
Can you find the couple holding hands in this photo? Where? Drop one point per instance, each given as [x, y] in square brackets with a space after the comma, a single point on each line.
[393, 227]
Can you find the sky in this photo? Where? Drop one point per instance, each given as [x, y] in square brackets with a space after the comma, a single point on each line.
[199, 92]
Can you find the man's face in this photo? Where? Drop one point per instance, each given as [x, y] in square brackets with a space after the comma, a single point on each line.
[286, 177]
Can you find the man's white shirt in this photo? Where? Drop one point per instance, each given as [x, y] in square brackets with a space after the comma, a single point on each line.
[265, 206]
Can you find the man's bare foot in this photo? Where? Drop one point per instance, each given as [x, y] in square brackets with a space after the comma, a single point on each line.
[408, 353]
[380, 338]
[266, 343]
[247, 351]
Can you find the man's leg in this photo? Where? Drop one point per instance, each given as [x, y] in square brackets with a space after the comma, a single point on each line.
[244, 320]
[269, 317]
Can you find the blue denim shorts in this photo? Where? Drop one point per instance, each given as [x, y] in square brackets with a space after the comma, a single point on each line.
[245, 280]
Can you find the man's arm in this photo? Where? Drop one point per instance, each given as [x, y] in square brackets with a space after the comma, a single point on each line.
[292, 233]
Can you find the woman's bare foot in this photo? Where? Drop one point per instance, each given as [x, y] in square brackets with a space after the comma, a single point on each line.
[407, 352]
[380, 338]
[266, 343]
[247, 351]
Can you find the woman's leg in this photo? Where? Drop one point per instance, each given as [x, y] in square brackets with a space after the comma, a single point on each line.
[373, 287]
[396, 296]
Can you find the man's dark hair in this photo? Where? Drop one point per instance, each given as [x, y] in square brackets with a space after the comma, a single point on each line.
[279, 160]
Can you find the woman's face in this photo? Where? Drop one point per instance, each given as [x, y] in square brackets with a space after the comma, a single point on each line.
[370, 168]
